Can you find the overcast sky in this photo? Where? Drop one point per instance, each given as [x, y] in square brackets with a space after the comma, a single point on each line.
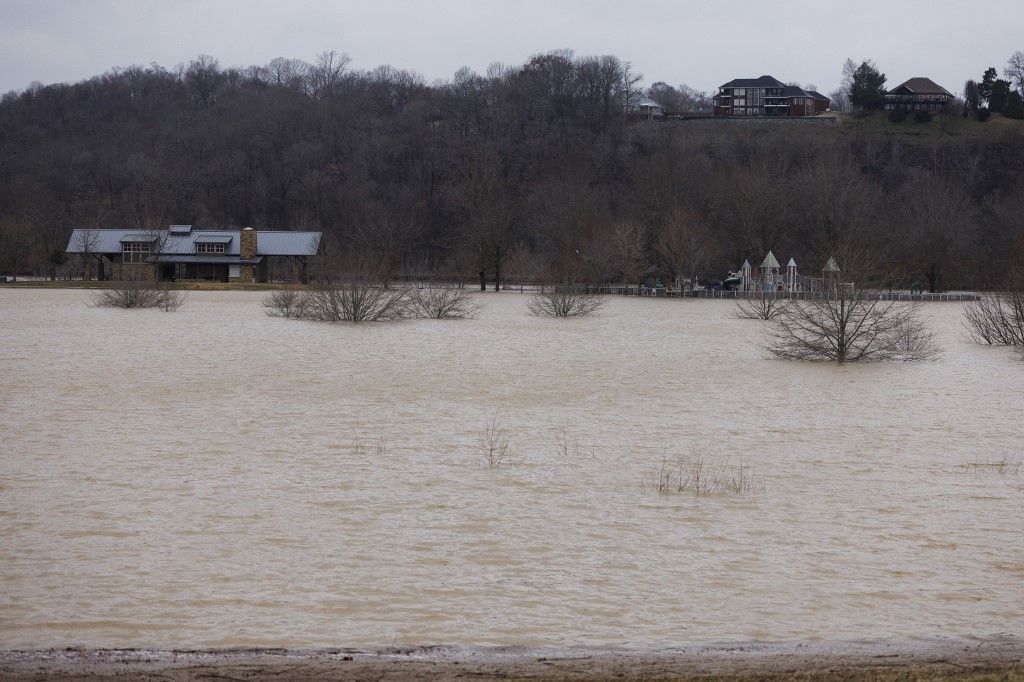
[702, 44]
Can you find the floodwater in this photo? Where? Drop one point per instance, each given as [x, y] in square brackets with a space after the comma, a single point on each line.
[211, 477]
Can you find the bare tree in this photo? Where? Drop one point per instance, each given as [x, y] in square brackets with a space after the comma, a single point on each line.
[140, 293]
[494, 447]
[1014, 71]
[565, 300]
[356, 300]
[681, 99]
[443, 303]
[389, 239]
[997, 318]
[852, 322]
[683, 243]
[291, 303]
[15, 240]
[327, 72]
[86, 243]
[628, 245]
[766, 306]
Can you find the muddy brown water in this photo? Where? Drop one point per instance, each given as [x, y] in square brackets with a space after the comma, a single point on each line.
[210, 478]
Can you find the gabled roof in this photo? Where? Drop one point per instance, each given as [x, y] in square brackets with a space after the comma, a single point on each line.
[268, 242]
[818, 96]
[919, 85]
[648, 103]
[795, 91]
[761, 82]
[769, 261]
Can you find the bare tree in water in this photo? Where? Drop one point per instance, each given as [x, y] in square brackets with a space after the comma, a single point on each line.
[997, 318]
[852, 322]
[767, 305]
[566, 300]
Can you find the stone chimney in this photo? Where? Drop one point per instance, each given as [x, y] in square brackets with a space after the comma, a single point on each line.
[246, 251]
[247, 244]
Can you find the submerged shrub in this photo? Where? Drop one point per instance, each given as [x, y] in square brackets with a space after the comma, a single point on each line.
[565, 301]
[493, 446]
[349, 302]
[287, 303]
[443, 303]
[358, 301]
[693, 476]
[140, 294]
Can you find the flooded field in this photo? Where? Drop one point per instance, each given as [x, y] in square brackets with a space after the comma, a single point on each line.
[215, 477]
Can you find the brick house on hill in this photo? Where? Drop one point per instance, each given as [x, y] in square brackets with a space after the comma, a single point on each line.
[918, 94]
[765, 96]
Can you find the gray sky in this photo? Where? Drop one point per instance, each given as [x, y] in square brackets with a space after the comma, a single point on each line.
[702, 44]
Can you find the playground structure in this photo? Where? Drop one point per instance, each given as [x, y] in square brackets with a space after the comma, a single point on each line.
[770, 278]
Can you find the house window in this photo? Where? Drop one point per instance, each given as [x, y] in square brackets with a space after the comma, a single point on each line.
[739, 92]
[209, 248]
[134, 252]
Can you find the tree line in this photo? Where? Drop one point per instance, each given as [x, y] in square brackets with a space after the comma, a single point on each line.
[536, 171]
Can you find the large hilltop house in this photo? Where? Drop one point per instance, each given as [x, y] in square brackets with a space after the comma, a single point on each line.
[181, 253]
[918, 94]
[766, 96]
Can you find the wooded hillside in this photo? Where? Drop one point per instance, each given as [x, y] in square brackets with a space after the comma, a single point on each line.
[536, 170]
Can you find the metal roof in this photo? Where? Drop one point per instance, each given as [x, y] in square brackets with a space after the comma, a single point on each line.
[280, 243]
[769, 261]
[268, 242]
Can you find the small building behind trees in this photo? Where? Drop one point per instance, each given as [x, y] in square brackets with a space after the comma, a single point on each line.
[180, 253]
[918, 94]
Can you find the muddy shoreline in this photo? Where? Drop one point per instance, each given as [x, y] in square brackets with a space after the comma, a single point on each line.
[995, 657]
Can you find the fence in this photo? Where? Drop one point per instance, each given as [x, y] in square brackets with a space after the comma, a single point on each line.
[625, 290]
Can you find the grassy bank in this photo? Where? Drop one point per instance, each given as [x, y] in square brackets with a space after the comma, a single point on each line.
[974, 662]
[940, 125]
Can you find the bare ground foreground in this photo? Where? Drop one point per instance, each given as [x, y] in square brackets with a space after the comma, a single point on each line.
[991, 658]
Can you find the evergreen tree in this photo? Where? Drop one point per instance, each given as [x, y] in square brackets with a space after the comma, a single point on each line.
[867, 91]
[1000, 91]
[1014, 107]
[988, 81]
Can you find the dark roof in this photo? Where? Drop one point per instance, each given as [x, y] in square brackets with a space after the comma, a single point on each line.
[919, 85]
[818, 96]
[762, 82]
[795, 91]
